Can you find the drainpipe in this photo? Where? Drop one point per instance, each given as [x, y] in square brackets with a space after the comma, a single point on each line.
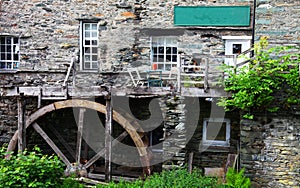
[253, 26]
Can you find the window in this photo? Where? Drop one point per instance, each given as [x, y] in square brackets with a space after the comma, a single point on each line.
[9, 52]
[216, 132]
[164, 53]
[89, 47]
[234, 45]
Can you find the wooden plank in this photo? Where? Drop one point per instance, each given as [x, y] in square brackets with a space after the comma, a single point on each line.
[190, 162]
[62, 141]
[108, 144]
[21, 124]
[102, 152]
[39, 130]
[79, 135]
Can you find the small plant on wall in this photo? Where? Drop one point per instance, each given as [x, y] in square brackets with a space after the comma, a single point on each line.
[271, 71]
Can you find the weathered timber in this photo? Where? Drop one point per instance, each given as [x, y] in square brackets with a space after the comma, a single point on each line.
[115, 178]
[51, 93]
[190, 162]
[108, 132]
[62, 141]
[79, 135]
[21, 124]
[38, 129]
[102, 152]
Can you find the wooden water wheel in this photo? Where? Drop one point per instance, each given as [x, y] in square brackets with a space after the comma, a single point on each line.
[131, 127]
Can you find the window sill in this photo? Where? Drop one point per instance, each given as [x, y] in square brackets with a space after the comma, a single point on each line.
[8, 71]
[207, 148]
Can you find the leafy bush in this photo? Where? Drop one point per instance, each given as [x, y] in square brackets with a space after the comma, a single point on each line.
[271, 70]
[236, 179]
[30, 169]
[170, 179]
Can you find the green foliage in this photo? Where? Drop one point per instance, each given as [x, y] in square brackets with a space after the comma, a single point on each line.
[179, 178]
[236, 179]
[69, 182]
[30, 169]
[270, 71]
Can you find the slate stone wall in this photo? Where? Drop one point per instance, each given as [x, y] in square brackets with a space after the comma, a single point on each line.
[270, 150]
[279, 20]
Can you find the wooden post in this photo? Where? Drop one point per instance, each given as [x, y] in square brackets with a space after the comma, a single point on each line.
[79, 135]
[108, 131]
[21, 123]
[206, 75]
[190, 163]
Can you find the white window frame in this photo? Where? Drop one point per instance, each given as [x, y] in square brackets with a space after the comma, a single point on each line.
[164, 43]
[245, 41]
[9, 52]
[89, 60]
[223, 143]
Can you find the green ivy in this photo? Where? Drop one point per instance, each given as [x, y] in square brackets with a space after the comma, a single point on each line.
[253, 87]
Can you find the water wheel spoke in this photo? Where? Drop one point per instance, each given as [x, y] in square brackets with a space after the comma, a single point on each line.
[39, 130]
[62, 141]
[102, 151]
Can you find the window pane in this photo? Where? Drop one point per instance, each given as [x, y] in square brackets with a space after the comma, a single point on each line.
[8, 56]
[94, 42]
[16, 57]
[160, 58]
[94, 50]
[174, 58]
[87, 34]
[94, 26]
[94, 65]
[8, 40]
[154, 50]
[87, 50]
[8, 48]
[2, 56]
[87, 26]
[161, 50]
[94, 34]
[2, 48]
[87, 42]
[168, 50]
[216, 131]
[160, 66]
[16, 40]
[168, 58]
[2, 65]
[87, 58]
[9, 65]
[168, 67]
[87, 65]
[174, 49]
[2, 40]
[236, 48]
[94, 58]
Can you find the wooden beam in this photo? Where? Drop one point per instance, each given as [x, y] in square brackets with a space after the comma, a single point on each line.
[62, 141]
[39, 130]
[79, 135]
[102, 152]
[108, 132]
[21, 124]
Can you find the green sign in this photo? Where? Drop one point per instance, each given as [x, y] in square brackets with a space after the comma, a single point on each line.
[212, 15]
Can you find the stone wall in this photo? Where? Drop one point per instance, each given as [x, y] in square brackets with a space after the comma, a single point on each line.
[270, 150]
[279, 20]
[49, 30]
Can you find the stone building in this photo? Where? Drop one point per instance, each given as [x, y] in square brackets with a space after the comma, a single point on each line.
[55, 52]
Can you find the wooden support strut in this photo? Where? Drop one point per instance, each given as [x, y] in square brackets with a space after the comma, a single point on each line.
[21, 123]
[108, 145]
